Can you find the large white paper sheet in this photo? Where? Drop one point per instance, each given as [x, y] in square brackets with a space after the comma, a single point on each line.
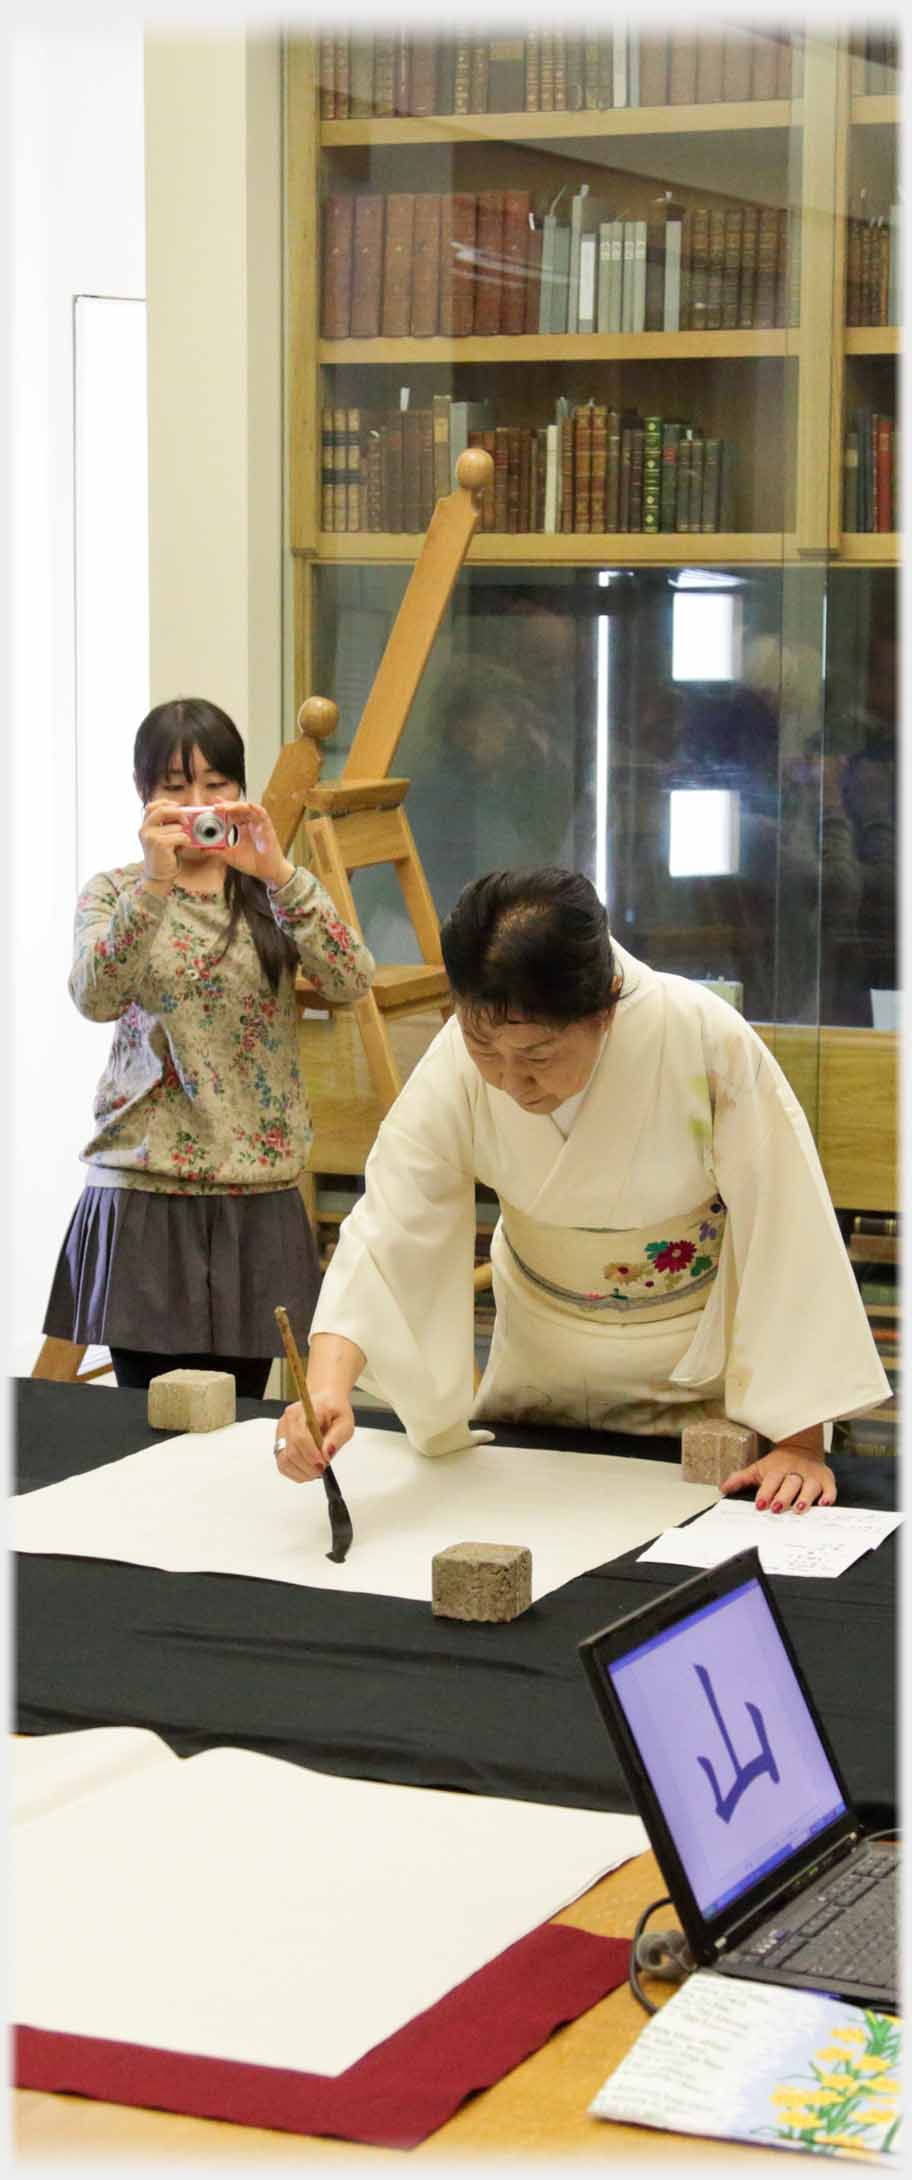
[822, 1542]
[755, 2063]
[239, 1907]
[215, 1502]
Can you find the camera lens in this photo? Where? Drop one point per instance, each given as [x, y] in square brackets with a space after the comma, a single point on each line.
[208, 829]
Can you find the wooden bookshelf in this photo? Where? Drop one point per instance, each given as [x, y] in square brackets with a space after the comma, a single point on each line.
[734, 117]
[538, 549]
[781, 393]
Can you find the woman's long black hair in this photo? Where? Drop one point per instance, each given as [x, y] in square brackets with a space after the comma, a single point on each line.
[185, 724]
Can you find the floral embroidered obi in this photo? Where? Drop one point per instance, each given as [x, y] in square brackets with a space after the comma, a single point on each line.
[660, 1271]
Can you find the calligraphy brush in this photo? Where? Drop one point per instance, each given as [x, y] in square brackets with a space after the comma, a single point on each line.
[339, 1517]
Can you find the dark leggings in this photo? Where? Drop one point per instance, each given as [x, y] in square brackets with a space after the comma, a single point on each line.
[134, 1366]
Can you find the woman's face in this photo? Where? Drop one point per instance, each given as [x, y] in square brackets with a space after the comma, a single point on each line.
[206, 785]
[535, 1063]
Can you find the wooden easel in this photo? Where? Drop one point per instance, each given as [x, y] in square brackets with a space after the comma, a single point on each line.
[358, 820]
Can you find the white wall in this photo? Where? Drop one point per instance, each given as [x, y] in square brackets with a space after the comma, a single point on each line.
[214, 263]
[76, 160]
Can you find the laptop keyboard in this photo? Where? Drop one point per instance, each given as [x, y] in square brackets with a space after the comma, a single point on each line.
[845, 1928]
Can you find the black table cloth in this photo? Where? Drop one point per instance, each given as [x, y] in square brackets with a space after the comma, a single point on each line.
[376, 1687]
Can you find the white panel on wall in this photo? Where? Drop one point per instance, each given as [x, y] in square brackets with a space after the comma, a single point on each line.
[112, 573]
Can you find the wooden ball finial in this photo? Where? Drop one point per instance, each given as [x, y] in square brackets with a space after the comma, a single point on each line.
[474, 469]
[318, 717]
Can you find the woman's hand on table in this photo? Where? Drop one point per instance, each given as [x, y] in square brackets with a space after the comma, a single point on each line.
[786, 1477]
[298, 1457]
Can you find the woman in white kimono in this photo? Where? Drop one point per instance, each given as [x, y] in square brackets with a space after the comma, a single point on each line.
[666, 1247]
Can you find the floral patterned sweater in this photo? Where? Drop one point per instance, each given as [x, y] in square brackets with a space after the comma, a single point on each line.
[202, 1093]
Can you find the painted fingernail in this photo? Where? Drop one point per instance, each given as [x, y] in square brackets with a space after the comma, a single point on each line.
[762, 1504]
[801, 1506]
[777, 1506]
[329, 1451]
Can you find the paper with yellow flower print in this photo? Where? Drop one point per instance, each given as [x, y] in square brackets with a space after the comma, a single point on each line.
[754, 2062]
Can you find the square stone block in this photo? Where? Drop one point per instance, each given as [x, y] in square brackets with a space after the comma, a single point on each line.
[192, 1400]
[481, 1581]
[712, 1451]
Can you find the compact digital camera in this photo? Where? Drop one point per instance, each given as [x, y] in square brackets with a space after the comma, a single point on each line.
[209, 829]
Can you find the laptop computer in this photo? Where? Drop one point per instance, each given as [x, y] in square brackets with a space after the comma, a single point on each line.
[732, 1773]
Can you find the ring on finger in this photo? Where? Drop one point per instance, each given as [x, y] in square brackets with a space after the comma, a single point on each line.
[279, 1446]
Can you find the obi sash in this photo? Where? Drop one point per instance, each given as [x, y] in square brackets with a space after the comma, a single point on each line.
[659, 1271]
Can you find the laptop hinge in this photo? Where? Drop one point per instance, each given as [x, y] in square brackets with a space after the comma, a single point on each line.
[746, 1923]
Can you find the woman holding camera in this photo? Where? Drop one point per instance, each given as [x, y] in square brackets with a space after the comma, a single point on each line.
[191, 1226]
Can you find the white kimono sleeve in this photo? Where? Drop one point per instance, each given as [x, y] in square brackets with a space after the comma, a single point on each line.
[400, 1281]
[786, 1322]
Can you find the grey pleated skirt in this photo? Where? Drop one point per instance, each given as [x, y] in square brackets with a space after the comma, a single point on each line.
[190, 1275]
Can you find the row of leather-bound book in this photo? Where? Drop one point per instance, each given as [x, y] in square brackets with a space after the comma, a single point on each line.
[499, 262]
[393, 71]
[591, 469]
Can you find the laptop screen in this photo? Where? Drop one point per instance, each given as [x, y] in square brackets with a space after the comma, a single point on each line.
[724, 1731]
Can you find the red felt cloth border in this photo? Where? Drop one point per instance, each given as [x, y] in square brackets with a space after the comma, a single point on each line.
[395, 2096]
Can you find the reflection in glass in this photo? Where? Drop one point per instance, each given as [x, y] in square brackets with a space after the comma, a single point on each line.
[562, 718]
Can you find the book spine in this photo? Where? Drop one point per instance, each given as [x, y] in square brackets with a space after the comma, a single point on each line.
[654, 69]
[425, 283]
[668, 490]
[326, 77]
[560, 73]
[566, 479]
[635, 517]
[384, 74]
[422, 92]
[361, 73]
[736, 65]
[652, 472]
[850, 520]
[462, 76]
[478, 77]
[402, 71]
[731, 265]
[612, 469]
[338, 234]
[764, 66]
[342, 84]
[546, 71]
[507, 75]
[682, 68]
[392, 473]
[327, 470]
[533, 72]
[748, 275]
[576, 74]
[715, 269]
[517, 206]
[766, 286]
[426, 493]
[501, 477]
[374, 460]
[682, 495]
[712, 479]
[353, 470]
[367, 268]
[591, 72]
[607, 81]
[489, 263]
[340, 469]
[582, 467]
[709, 69]
[654, 318]
[395, 315]
[598, 460]
[695, 499]
[523, 521]
[883, 460]
[457, 254]
[699, 269]
[440, 413]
